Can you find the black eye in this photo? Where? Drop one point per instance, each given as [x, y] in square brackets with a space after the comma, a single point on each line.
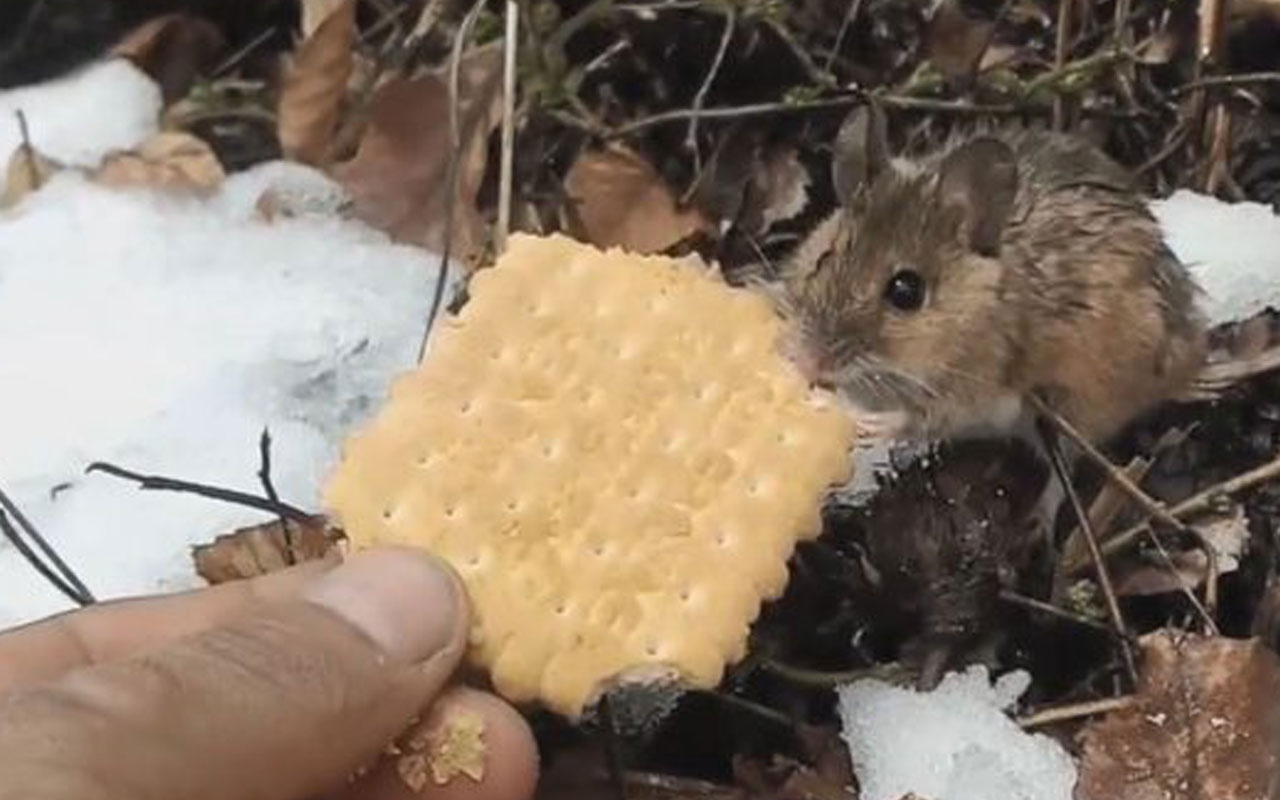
[905, 290]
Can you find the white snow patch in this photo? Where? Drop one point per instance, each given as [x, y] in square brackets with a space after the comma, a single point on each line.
[1233, 249]
[163, 334]
[954, 743]
[110, 105]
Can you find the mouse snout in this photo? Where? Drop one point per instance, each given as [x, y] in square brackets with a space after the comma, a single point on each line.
[814, 363]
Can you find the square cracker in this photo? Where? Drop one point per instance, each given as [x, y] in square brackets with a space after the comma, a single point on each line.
[615, 457]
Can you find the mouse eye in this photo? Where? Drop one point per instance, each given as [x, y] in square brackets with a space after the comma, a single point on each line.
[905, 290]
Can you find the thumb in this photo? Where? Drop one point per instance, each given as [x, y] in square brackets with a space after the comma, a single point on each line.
[283, 704]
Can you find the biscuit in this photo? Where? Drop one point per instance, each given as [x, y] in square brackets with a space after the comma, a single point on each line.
[614, 456]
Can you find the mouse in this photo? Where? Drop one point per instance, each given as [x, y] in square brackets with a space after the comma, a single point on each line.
[947, 287]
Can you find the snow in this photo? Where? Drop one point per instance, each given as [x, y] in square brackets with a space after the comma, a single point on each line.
[75, 120]
[163, 335]
[1232, 248]
[954, 743]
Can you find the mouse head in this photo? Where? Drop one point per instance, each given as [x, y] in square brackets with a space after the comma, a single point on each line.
[899, 305]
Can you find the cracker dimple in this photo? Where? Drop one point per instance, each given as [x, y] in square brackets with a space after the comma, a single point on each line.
[613, 455]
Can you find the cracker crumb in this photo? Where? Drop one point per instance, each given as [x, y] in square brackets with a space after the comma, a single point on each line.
[412, 769]
[457, 747]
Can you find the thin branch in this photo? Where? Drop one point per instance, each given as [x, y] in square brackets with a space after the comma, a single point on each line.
[700, 99]
[1062, 43]
[1075, 711]
[46, 572]
[1016, 599]
[822, 679]
[850, 15]
[1100, 566]
[455, 155]
[1196, 504]
[68, 576]
[1153, 507]
[235, 59]
[161, 483]
[510, 47]
[264, 477]
[1242, 79]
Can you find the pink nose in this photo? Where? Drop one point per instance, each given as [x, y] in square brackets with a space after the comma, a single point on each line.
[812, 365]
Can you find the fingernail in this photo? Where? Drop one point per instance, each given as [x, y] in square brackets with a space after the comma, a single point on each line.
[403, 599]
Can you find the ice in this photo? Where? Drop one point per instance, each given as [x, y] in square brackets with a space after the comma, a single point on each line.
[1232, 248]
[163, 335]
[954, 743]
[77, 119]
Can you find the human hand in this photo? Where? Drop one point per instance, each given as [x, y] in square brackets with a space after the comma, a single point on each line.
[276, 688]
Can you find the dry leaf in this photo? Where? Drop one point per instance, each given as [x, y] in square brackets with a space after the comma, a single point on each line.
[173, 49]
[621, 201]
[1227, 534]
[27, 172]
[315, 86]
[170, 160]
[261, 549]
[315, 12]
[954, 41]
[1205, 726]
[399, 177]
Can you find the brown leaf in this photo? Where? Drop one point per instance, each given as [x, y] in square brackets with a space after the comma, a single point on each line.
[1205, 725]
[315, 86]
[170, 160]
[27, 172]
[173, 49]
[621, 201]
[399, 177]
[954, 41]
[261, 549]
[1227, 534]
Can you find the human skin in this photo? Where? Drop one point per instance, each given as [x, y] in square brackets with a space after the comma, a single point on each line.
[277, 688]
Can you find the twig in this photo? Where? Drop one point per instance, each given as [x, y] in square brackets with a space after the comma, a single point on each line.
[10, 533]
[815, 73]
[751, 707]
[161, 483]
[1016, 599]
[1153, 507]
[1242, 79]
[264, 477]
[451, 182]
[234, 60]
[1196, 504]
[29, 151]
[824, 680]
[510, 47]
[1048, 434]
[68, 580]
[1075, 711]
[850, 15]
[1061, 44]
[700, 99]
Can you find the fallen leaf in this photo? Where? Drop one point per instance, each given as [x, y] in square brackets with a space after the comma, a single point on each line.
[954, 41]
[169, 160]
[1227, 534]
[399, 177]
[173, 49]
[315, 12]
[1205, 725]
[261, 549]
[315, 86]
[619, 200]
[27, 172]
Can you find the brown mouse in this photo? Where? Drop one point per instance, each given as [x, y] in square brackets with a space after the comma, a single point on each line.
[947, 288]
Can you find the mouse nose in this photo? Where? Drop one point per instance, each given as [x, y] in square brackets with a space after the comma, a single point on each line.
[813, 364]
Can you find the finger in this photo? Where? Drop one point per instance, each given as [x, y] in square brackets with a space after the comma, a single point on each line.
[470, 746]
[281, 704]
[47, 648]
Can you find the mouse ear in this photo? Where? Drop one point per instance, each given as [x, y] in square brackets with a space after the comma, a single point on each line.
[981, 178]
[860, 151]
